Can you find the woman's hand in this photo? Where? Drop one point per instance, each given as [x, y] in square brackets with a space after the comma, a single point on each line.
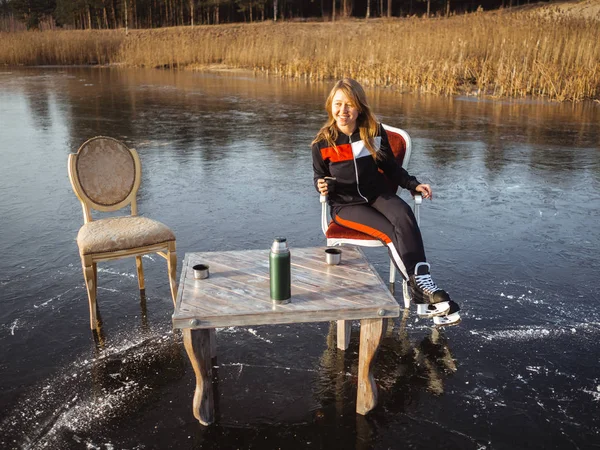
[425, 191]
[322, 186]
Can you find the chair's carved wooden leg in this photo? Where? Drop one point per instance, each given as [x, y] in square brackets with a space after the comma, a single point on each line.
[140, 273]
[371, 331]
[343, 333]
[95, 266]
[172, 268]
[89, 274]
[197, 345]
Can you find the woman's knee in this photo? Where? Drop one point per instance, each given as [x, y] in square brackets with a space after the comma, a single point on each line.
[401, 212]
[405, 221]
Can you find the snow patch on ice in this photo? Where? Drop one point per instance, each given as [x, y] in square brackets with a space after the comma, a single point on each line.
[56, 297]
[594, 393]
[253, 332]
[108, 289]
[114, 272]
[13, 327]
[262, 366]
[532, 332]
[64, 401]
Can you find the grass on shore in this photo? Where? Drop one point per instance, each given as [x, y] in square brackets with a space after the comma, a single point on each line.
[499, 54]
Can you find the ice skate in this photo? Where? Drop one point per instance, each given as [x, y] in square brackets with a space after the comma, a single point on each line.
[431, 301]
[451, 318]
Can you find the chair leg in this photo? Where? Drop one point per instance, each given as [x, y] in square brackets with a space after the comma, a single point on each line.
[90, 275]
[140, 273]
[172, 267]
[344, 327]
[95, 266]
[406, 294]
[392, 272]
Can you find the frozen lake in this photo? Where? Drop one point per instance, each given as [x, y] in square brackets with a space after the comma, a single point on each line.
[512, 234]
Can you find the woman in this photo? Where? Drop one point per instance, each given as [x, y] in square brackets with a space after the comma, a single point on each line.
[352, 148]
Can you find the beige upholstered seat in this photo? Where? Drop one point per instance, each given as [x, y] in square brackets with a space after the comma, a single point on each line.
[121, 233]
[105, 176]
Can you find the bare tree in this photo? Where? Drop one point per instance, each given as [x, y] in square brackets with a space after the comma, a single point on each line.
[134, 14]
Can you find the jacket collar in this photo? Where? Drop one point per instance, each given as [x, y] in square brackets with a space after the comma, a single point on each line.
[344, 139]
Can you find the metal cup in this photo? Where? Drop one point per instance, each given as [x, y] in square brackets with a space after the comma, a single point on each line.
[333, 256]
[330, 184]
[200, 271]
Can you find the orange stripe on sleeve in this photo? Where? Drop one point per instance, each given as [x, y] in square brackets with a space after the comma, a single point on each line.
[363, 229]
[344, 153]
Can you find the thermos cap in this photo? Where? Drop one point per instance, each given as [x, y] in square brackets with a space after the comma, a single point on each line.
[280, 245]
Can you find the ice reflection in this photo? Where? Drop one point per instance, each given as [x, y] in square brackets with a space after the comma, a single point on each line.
[404, 367]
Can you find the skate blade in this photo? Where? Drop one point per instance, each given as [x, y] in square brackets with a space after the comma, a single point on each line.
[447, 321]
[442, 309]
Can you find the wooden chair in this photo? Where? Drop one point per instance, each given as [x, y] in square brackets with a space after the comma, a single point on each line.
[401, 146]
[105, 176]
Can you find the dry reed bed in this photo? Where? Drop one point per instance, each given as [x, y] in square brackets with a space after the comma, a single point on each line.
[59, 47]
[514, 55]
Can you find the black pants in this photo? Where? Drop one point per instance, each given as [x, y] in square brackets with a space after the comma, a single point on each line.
[391, 220]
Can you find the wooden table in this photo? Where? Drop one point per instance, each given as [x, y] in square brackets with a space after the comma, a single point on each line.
[237, 294]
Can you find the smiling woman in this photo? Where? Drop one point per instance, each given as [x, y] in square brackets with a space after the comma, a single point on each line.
[353, 148]
[344, 112]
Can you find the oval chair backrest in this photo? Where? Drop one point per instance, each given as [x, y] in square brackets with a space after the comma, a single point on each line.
[401, 146]
[105, 174]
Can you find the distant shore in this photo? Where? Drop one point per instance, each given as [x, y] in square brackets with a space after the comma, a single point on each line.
[500, 54]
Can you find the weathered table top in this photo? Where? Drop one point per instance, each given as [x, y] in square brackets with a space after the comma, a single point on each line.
[237, 291]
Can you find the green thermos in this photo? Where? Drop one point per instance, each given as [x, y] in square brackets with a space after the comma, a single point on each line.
[280, 271]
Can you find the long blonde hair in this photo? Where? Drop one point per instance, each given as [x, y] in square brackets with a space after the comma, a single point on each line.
[366, 121]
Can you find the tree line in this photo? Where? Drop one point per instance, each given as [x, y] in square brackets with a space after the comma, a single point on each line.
[111, 14]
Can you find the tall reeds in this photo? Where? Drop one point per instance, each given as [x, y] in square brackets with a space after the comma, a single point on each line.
[34, 48]
[498, 54]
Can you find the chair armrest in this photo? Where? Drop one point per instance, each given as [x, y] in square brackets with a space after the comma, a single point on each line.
[324, 218]
[418, 198]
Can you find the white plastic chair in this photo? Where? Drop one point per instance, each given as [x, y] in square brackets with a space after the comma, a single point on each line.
[401, 146]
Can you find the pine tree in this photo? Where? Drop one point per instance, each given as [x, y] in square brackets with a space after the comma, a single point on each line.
[32, 11]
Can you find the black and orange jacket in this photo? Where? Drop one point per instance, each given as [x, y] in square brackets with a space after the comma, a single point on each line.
[359, 177]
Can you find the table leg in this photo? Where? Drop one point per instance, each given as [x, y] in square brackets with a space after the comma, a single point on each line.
[371, 331]
[197, 344]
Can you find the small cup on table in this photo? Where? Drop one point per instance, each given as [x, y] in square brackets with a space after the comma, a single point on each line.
[200, 271]
[333, 256]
